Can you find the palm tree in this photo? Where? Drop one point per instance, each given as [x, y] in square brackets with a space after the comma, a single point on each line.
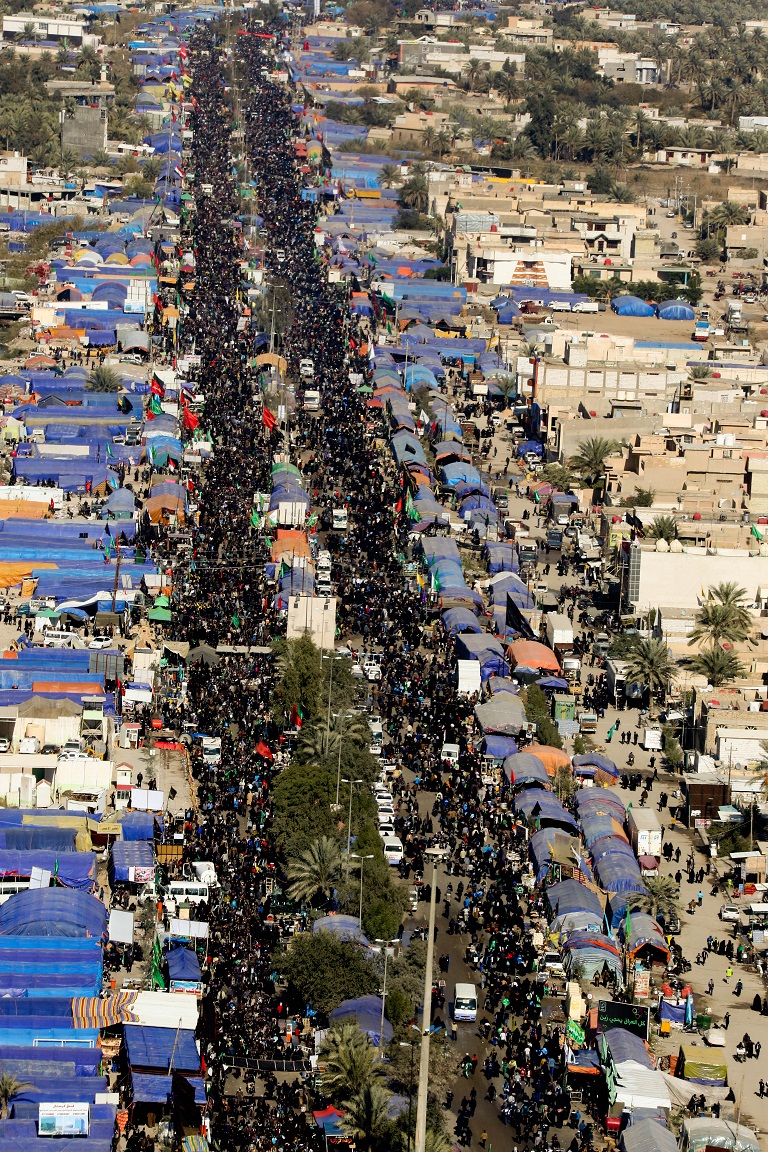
[151, 168]
[9, 1087]
[700, 372]
[320, 739]
[69, 162]
[650, 663]
[722, 615]
[389, 176]
[473, 73]
[717, 665]
[366, 1117]
[103, 379]
[590, 459]
[663, 528]
[415, 193]
[316, 870]
[506, 86]
[662, 896]
[349, 1060]
[101, 159]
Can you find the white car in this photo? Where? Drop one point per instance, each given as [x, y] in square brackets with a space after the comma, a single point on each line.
[386, 829]
[730, 912]
[100, 642]
[372, 671]
[4, 744]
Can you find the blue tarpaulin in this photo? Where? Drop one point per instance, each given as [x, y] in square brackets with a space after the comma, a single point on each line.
[183, 964]
[72, 869]
[127, 855]
[151, 1049]
[366, 1010]
[55, 912]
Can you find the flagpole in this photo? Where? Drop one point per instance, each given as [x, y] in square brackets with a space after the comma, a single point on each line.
[117, 574]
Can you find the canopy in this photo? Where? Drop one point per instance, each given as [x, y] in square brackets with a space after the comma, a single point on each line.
[366, 1010]
[532, 654]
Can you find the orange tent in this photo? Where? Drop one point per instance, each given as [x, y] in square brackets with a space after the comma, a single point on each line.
[551, 758]
[13, 572]
[532, 654]
[290, 542]
[74, 688]
[23, 510]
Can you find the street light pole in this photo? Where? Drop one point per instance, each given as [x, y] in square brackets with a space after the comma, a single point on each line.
[338, 762]
[386, 946]
[426, 1015]
[349, 823]
[362, 860]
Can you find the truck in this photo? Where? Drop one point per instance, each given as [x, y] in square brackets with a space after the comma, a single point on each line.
[653, 740]
[559, 631]
[527, 554]
[311, 400]
[644, 831]
[554, 539]
[211, 748]
[701, 332]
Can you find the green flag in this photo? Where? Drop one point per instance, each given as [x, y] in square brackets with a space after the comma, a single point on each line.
[627, 926]
[155, 406]
[256, 520]
[235, 621]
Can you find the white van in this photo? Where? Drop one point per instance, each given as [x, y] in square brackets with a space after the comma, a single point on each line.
[465, 1002]
[29, 746]
[393, 849]
[175, 893]
[54, 639]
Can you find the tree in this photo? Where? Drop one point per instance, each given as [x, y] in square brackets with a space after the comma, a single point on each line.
[559, 476]
[537, 712]
[366, 1117]
[717, 665]
[389, 176]
[415, 193]
[662, 896]
[68, 162]
[722, 615]
[9, 1088]
[641, 498]
[592, 454]
[323, 970]
[300, 674]
[102, 379]
[316, 870]
[319, 739]
[650, 663]
[151, 168]
[350, 1061]
[662, 528]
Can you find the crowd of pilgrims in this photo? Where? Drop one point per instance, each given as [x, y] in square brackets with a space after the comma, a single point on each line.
[220, 599]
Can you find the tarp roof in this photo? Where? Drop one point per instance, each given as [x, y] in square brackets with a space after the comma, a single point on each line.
[161, 1048]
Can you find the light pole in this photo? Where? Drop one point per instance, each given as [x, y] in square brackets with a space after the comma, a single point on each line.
[386, 945]
[435, 855]
[362, 860]
[349, 823]
[338, 762]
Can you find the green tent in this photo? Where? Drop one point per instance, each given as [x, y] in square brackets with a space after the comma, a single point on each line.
[159, 615]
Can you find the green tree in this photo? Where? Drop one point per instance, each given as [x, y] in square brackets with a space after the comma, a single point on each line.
[589, 460]
[662, 528]
[389, 176]
[10, 1087]
[717, 665]
[722, 615]
[102, 379]
[560, 476]
[349, 1060]
[414, 193]
[366, 1118]
[537, 712]
[299, 679]
[315, 871]
[318, 739]
[640, 498]
[662, 896]
[323, 970]
[650, 663]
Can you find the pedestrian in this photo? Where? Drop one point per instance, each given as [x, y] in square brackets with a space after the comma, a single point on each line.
[726, 1020]
[710, 987]
[483, 1138]
[761, 1089]
[758, 1047]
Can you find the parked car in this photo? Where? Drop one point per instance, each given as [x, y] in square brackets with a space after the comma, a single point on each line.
[730, 912]
[100, 642]
[4, 744]
[46, 750]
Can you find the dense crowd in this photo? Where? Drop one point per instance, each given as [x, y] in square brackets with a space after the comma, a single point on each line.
[220, 598]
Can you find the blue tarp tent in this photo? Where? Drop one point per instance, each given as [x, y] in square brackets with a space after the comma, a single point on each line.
[151, 1049]
[183, 964]
[72, 869]
[55, 912]
[632, 306]
[127, 855]
[676, 310]
[366, 1010]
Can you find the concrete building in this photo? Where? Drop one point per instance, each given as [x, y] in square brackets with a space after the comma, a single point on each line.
[85, 113]
[657, 576]
[13, 169]
[73, 29]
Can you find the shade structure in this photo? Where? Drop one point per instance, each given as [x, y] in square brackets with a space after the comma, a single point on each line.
[366, 1010]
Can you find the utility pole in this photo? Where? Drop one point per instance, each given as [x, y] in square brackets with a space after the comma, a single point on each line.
[435, 854]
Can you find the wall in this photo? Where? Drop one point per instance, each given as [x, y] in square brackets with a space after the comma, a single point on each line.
[85, 130]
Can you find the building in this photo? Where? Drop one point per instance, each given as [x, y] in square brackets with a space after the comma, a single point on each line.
[657, 576]
[13, 169]
[85, 113]
[27, 26]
